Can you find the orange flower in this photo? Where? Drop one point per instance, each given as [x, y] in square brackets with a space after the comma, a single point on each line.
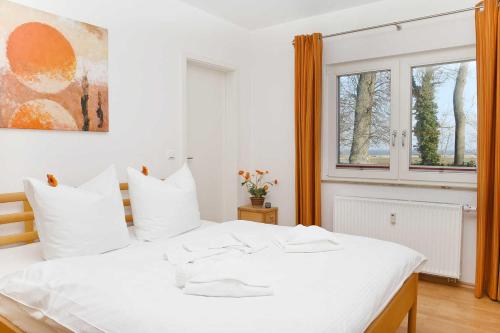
[266, 187]
[145, 170]
[51, 180]
[247, 175]
[241, 172]
[267, 171]
[275, 182]
[259, 172]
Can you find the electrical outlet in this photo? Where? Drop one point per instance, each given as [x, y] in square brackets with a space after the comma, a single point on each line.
[393, 218]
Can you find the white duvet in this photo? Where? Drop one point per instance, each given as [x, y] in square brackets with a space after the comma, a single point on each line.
[133, 289]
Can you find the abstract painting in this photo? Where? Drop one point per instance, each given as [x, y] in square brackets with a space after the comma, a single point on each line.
[53, 72]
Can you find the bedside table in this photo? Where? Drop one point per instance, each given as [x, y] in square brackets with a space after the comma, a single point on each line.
[258, 214]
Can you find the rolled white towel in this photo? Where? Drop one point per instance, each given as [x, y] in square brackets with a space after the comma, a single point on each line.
[229, 278]
[302, 239]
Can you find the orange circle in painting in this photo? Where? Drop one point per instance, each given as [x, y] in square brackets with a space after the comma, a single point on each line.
[42, 114]
[41, 57]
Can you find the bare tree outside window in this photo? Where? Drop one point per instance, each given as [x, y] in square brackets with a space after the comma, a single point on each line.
[444, 116]
[364, 119]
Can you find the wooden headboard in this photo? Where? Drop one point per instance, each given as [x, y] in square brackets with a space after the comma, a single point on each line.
[30, 235]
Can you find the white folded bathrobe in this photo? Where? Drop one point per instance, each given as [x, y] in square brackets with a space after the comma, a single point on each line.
[302, 239]
[251, 243]
[180, 256]
[186, 270]
[215, 267]
[220, 246]
[190, 263]
[247, 243]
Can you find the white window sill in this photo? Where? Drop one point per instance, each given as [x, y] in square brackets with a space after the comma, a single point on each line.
[408, 183]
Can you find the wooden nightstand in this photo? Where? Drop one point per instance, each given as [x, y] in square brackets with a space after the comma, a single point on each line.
[258, 214]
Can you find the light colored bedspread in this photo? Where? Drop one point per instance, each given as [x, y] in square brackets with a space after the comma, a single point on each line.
[133, 289]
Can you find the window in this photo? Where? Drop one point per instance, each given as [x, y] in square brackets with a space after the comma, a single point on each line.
[444, 113]
[411, 117]
[364, 119]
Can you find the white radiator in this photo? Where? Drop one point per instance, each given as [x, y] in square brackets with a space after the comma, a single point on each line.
[433, 229]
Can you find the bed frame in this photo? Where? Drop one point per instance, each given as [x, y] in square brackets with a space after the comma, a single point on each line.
[402, 304]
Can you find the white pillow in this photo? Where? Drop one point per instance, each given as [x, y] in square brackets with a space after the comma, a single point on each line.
[163, 208]
[76, 221]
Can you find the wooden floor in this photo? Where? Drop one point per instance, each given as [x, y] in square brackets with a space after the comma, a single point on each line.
[446, 309]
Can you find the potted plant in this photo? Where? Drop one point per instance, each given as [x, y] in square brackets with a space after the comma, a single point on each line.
[256, 185]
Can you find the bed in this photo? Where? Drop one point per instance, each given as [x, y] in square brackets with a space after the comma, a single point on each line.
[369, 286]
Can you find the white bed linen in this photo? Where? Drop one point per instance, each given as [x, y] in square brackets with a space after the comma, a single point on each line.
[16, 258]
[133, 289]
[29, 320]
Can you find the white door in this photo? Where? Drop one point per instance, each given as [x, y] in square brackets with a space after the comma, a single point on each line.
[206, 110]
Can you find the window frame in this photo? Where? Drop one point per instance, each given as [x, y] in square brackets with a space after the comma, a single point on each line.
[332, 91]
[401, 98]
[407, 62]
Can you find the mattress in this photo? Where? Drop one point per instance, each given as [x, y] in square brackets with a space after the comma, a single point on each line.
[132, 289]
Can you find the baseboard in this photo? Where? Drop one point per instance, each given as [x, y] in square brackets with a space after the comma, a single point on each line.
[445, 281]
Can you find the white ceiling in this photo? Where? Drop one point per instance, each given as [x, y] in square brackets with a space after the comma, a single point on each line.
[256, 14]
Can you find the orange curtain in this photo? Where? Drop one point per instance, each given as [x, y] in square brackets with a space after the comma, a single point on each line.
[308, 88]
[488, 182]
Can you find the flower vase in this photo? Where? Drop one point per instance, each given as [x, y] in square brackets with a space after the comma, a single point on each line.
[257, 202]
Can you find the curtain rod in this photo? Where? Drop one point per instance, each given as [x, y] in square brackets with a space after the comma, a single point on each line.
[398, 24]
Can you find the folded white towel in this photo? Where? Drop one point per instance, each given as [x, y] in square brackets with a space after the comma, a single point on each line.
[229, 278]
[309, 239]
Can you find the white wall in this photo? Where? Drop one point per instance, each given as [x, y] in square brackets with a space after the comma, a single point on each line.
[272, 110]
[147, 42]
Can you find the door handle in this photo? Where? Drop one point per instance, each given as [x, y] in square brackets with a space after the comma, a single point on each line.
[393, 138]
[190, 158]
[403, 138]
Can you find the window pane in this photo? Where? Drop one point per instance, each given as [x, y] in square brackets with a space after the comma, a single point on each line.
[444, 116]
[364, 119]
